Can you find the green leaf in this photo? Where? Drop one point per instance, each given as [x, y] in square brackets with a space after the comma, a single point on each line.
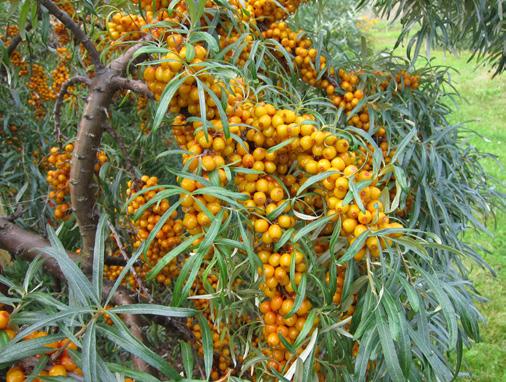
[314, 179]
[299, 298]
[89, 350]
[207, 345]
[167, 95]
[19, 350]
[306, 329]
[98, 256]
[153, 309]
[137, 375]
[388, 349]
[187, 357]
[122, 337]
[317, 224]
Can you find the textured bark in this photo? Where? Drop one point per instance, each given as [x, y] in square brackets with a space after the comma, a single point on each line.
[82, 186]
[134, 85]
[93, 122]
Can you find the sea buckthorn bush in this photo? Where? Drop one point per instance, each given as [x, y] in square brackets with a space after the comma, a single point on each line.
[266, 199]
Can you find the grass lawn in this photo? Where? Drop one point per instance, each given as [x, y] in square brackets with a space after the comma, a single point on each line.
[484, 106]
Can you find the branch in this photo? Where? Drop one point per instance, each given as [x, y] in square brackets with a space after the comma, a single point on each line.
[95, 117]
[75, 29]
[59, 100]
[120, 64]
[14, 44]
[140, 285]
[27, 245]
[121, 83]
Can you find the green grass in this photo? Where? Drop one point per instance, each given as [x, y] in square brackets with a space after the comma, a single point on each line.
[484, 107]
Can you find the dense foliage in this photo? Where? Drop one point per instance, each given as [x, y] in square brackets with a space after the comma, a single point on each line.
[231, 190]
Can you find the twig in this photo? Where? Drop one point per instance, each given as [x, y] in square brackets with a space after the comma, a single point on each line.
[61, 97]
[16, 214]
[141, 286]
[75, 29]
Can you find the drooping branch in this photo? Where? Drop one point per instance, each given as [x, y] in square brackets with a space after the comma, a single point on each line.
[14, 44]
[61, 97]
[76, 30]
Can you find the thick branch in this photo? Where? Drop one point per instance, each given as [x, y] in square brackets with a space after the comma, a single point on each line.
[27, 245]
[83, 189]
[82, 186]
[121, 83]
[75, 29]
[14, 44]
[61, 97]
[120, 64]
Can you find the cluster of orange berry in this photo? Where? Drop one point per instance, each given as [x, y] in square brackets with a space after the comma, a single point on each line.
[66, 6]
[11, 31]
[58, 177]
[277, 175]
[60, 74]
[128, 25]
[263, 126]
[221, 332]
[269, 11]
[40, 90]
[167, 238]
[123, 26]
[61, 366]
